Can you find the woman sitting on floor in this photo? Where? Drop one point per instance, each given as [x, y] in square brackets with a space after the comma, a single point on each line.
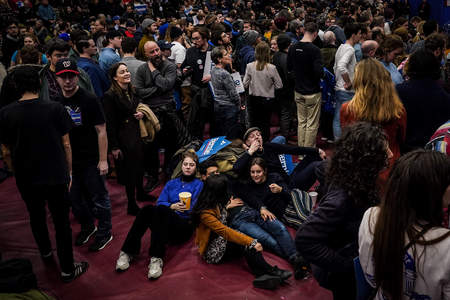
[217, 242]
[403, 247]
[266, 198]
[329, 237]
[169, 221]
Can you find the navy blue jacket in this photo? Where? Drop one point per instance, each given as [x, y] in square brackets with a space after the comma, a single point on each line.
[98, 77]
[247, 55]
[329, 237]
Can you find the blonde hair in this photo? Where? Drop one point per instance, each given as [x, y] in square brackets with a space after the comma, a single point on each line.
[262, 55]
[375, 99]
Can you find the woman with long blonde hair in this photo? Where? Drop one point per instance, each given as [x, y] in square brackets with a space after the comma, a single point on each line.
[376, 101]
[261, 78]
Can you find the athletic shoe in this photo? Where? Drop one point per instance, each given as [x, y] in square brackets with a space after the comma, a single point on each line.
[99, 244]
[155, 268]
[84, 236]
[78, 270]
[123, 263]
[267, 282]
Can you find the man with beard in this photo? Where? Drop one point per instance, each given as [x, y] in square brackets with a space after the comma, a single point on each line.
[11, 42]
[194, 66]
[155, 83]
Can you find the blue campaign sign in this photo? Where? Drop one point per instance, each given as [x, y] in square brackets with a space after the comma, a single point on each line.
[287, 163]
[211, 147]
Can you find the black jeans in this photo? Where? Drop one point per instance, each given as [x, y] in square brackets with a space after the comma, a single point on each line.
[90, 199]
[304, 175]
[259, 112]
[254, 259]
[165, 225]
[35, 197]
[287, 111]
[226, 116]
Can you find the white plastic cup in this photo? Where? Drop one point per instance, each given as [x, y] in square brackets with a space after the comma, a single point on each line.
[313, 196]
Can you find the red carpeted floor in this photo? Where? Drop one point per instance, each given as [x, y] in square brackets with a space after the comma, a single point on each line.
[185, 275]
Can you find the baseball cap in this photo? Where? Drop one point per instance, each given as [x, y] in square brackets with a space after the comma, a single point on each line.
[147, 22]
[65, 65]
[64, 36]
[164, 45]
[115, 18]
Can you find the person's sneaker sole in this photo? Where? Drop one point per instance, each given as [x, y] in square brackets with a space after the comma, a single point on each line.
[87, 238]
[103, 246]
[267, 282]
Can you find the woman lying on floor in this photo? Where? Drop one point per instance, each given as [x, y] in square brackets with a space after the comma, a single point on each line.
[169, 221]
[217, 242]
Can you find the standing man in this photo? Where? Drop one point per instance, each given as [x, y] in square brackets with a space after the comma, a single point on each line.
[344, 70]
[11, 42]
[305, 60]
[194, 66]
[129, 46]
[150, 33]
[109, 55]
[155, 82]
[37, 133]
[89, 147]
[87, 49]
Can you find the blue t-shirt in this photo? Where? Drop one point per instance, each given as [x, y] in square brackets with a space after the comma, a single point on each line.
[170, 193]
[397, 78]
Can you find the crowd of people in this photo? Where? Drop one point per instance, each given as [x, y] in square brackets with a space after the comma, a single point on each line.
[130, 90]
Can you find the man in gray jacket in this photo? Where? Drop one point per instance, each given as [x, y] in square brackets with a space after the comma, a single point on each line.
[155, 82]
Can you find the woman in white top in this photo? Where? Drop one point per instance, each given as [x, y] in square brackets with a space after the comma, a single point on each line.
[261, 78]
[403, 247]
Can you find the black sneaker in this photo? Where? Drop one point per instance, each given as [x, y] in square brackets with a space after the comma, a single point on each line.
[267, 282]
[79, 269]
[283, 274]
[84, 236]
[99, 244]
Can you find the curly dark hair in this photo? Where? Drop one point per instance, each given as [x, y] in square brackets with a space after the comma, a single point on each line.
[359, 156]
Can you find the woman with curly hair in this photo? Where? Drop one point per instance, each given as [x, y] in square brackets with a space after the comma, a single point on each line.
[376, 101]
[403, 247]
[329, 237]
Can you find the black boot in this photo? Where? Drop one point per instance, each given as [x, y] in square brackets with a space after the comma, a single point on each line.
[267, 282]
[301, 267]
[282, 274]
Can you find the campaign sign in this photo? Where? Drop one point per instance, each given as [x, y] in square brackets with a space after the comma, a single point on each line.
[211, 147]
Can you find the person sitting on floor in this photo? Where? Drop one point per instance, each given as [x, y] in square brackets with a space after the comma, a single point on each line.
[217, 242]
[403, 247]
[169, 221]
[302, 177]
[329, 237]
[263, 195]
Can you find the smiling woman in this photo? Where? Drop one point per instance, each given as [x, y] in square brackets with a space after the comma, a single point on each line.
[125, 143]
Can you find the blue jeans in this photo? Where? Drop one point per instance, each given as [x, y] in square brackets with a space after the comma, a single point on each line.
[90, 199]
[341, 98]
[271, 234]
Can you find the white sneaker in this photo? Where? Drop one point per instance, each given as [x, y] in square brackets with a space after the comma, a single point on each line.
[123, 263]
[155, 268]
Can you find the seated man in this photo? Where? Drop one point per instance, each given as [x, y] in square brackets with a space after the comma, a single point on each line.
[302, 177]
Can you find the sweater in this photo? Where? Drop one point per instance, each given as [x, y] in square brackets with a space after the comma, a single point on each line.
[262, 83]
[305, 60]
[224, 88]
[258, 195]
[345, 62]
[174, 187]
[433, 265]
[209, 222]
[156, 88]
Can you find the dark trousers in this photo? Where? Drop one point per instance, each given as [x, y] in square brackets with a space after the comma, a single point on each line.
[287, 111]
[343, 285]
[260, 112]
[172, 136]
[226, 116]
[35, 197]
[90, 199]
[304, 175]
[166, 228]
[254, 259]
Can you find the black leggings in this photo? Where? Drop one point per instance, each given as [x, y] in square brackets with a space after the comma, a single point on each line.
[166, 227]
[255, 260]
